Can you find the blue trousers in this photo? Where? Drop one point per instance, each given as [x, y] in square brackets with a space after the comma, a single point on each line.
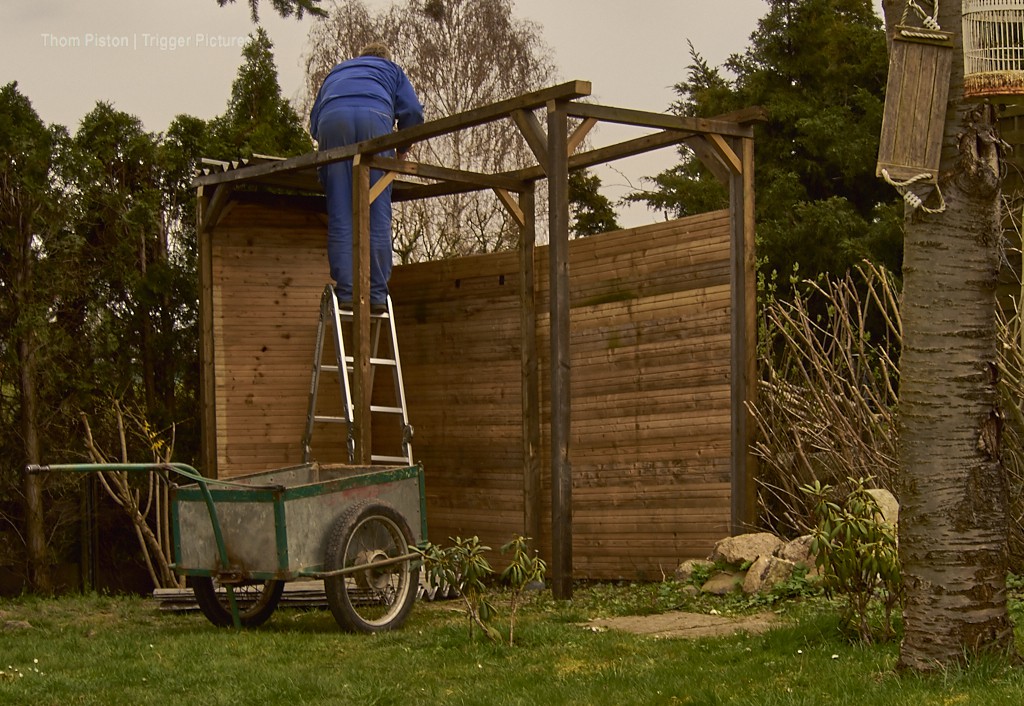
[344, 125]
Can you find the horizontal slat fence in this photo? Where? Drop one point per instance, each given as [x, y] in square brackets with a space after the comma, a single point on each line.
[650, 394]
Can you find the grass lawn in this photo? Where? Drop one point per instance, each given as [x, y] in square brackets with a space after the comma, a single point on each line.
[123, 650]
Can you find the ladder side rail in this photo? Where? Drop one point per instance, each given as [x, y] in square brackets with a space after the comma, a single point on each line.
[314, 384]
[344, 381]
[406, 429]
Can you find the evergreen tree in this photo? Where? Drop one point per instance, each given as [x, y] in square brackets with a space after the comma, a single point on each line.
[285, 8]
[819, 68]
[590, 211]
[37, 273]
[131, 281]
[98, 269]
[258, 119]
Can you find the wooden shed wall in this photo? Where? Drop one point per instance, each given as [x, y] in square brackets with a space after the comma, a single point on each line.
[650, 379]
[267, 269]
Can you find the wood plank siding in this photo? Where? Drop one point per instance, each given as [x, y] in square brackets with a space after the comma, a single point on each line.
[650, 359]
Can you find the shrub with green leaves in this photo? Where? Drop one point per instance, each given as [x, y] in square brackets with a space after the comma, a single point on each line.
[465, 566]
[526, 567]
[855, 549]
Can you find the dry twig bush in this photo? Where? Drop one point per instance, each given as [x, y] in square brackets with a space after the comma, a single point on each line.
[826, 405]
[826, 409]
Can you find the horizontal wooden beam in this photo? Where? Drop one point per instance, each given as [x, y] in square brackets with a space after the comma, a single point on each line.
[629, 148]
[434, 128]
[430, 171]
[661, 121]
[417, 191]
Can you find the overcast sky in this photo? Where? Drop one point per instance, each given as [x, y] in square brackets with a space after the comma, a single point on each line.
[158, 58]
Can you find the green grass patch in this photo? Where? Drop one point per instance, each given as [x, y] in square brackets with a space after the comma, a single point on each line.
[123, 650]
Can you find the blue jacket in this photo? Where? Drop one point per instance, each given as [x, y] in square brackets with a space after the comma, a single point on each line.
[370, 82]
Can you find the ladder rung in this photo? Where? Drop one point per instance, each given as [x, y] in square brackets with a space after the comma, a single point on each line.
[391, 459]
[386, 410]
[331, 420]
[373, 361]
[329, 368]
[349, 313]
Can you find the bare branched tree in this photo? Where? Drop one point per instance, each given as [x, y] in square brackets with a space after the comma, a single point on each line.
[147, 503]
[459, 55]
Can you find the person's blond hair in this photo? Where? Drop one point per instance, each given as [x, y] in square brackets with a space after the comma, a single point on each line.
[378, 49]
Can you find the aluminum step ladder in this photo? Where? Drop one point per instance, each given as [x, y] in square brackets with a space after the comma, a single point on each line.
[382, 323]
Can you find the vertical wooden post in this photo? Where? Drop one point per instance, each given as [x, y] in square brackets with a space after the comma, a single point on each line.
[207, 369]
[558, 233]
[361, 310]
[744, 335]
[530, 367]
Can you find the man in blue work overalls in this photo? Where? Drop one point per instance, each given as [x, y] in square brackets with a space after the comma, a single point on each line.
[361, 98]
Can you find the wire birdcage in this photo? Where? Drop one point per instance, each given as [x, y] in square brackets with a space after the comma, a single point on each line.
[993, 42]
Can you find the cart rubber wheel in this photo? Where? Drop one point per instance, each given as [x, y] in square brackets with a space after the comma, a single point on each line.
[372, 599]
[256, 601]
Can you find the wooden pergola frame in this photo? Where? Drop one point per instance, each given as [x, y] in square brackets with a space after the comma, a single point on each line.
[724, 144]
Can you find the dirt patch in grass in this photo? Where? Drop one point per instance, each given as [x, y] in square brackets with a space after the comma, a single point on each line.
[687, 625]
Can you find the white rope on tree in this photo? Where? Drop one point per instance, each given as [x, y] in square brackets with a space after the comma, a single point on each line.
[912, 199]
[929, 21]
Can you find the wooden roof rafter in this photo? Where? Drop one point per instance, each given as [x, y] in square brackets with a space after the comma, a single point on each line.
[708, 137]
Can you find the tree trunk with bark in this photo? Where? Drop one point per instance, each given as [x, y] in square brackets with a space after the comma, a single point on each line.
[32, 485]
[953, 527]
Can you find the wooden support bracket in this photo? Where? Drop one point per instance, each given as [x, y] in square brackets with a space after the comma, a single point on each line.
[378, 188]
[216, 206]
[726, 152]
[709, 157]
[580, 134]
[511, 205]
[530, 126]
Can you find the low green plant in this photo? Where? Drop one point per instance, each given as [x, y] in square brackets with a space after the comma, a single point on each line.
[856, 552]
[526, 567]
[701, 573]
[464, 566]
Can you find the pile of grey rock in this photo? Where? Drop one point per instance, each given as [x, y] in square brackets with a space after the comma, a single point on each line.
[753, 563]
[760, 561]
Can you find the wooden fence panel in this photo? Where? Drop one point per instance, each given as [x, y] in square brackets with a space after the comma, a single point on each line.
[650, 389]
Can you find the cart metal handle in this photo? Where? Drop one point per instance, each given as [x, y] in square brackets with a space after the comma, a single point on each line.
[362, 567]
[180, 469]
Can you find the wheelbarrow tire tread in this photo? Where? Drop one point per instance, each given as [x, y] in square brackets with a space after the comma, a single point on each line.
[217, 610]
[340, 590]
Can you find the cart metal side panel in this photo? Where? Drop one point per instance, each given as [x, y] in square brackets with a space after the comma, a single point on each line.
[278, 523]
